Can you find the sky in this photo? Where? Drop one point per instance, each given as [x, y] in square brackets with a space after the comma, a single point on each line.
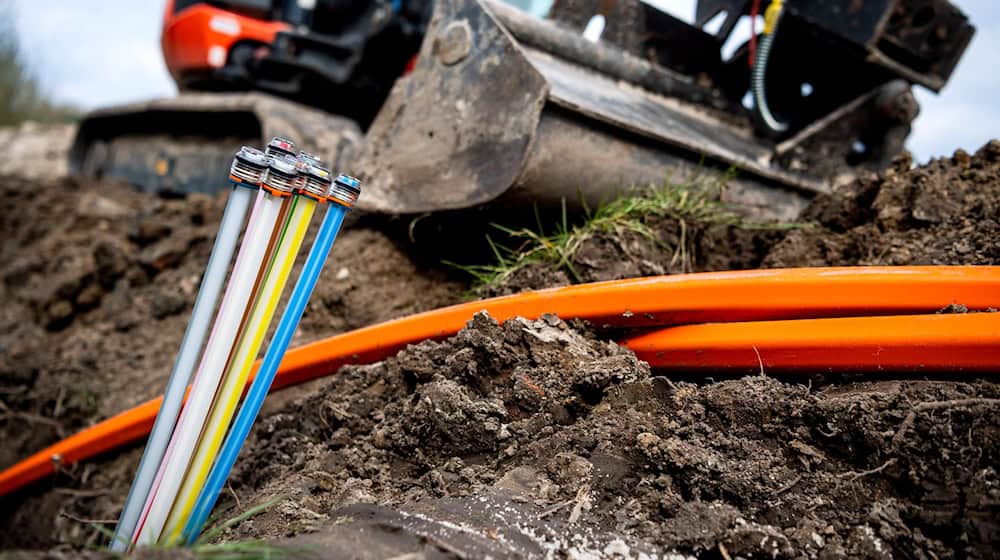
[93, 54]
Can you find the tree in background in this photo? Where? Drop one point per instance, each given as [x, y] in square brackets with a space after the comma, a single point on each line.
[21, 97]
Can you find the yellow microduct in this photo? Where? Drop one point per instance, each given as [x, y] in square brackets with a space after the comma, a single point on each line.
[239, 368]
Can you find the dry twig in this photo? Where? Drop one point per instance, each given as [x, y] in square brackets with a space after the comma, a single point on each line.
[37, 419]
[788, 486]
[759, 361]
[72, 517]
[582, 499]
[854, 475]
[80, 493]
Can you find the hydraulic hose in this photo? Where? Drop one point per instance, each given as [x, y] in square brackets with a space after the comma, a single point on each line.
[238, 370]
[754, 295]
[253, 162]
[253, 249]
[327, 234]
[758, 76]
[907, 343]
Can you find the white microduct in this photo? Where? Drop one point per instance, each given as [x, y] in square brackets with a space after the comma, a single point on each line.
[239, 366]
[213, 363]
[187, 358]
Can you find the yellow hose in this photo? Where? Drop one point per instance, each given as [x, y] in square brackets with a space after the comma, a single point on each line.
[239, 368]
[771, 15]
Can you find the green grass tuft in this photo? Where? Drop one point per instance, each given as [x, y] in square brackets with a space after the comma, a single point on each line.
[696, 201]
[239, 550]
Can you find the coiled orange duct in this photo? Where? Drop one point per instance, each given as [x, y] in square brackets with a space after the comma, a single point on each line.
[724, 297]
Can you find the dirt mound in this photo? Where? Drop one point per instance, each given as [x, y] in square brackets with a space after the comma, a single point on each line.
[945, 212]
[548, 438]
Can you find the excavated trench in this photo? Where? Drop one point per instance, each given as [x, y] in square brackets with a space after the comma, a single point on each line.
[532, 438]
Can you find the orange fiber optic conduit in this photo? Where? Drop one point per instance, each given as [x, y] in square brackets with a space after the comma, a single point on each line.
[719, 297]
[904, 343]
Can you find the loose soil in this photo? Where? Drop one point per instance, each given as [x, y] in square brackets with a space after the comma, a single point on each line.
[945, 212]
[527, 439]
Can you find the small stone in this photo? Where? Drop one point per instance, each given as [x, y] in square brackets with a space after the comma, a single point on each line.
[569, 468]
[168, 303]
[647, 440]
[90, 295]
[147, 231]
[93, 205]
[58, 313]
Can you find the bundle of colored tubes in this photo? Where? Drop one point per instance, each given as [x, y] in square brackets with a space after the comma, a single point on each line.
[186, 461]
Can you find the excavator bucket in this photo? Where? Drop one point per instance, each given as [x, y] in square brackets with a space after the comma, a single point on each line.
[507, 109]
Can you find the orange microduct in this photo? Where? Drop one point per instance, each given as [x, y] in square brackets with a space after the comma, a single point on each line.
[783, 299]
[906, 343]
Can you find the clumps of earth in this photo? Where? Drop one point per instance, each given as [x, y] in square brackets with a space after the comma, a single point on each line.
[945, 212]
[527, 439]
[536, 436]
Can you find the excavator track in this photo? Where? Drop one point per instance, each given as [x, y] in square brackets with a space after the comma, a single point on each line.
[184, 144]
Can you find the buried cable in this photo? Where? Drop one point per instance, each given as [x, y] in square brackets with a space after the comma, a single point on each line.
[966, 342]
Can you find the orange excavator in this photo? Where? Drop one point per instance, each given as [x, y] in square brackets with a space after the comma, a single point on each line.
[459, 103]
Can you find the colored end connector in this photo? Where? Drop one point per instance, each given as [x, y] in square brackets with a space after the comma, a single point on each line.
[282, 176]
[280, 147]
[315, 182]
[248, 167]
[305, 158]
[345, 191]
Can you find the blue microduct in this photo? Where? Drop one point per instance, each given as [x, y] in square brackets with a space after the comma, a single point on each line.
[272, 359]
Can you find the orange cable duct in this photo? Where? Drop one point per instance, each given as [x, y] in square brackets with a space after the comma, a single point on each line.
[906, 343]
[718, 297]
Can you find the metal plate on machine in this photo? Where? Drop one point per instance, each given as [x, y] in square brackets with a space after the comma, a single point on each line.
[640, 112]
[455, 132]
